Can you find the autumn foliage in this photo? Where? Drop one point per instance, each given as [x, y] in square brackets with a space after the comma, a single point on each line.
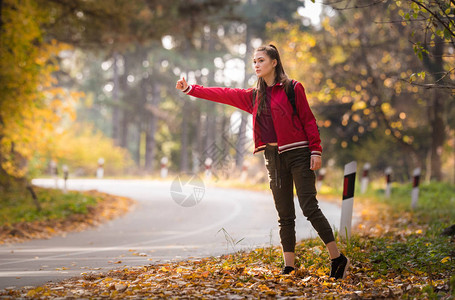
[80, 147]
[30, 105]
[36, 111]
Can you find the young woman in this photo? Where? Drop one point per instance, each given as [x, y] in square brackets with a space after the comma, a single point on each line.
[292, 148]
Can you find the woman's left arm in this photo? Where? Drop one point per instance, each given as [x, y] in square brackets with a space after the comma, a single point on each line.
[309, 122]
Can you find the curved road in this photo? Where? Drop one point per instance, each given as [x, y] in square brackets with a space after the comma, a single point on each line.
[156, 230]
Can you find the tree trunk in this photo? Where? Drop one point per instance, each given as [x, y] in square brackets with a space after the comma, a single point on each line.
[124, 112]
[115, 101]
[34, 197]
[137, 150]
[5, 179]
[1, 19]
[224, 142]
[3, 175]
[124, 130]
[241, 141]
[224, 133]
[198, 147]
[210, 131]
[435, 65]
[184, 166]
[151, 129]
[438, 135]
[211, 107]
[184, 140]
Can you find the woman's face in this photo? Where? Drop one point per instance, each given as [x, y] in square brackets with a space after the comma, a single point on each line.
[263, 65]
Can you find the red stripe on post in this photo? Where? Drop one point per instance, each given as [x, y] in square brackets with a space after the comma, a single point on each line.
[349, 186]
[345, 187]
[416, 181]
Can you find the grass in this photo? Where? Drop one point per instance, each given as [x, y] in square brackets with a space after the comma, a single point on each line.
[18, 206]
[412, 245]
[435, 207]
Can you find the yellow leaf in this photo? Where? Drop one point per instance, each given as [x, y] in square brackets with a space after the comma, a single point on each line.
[320, 272]
[50, 229]
[205, 274]
[445, 259]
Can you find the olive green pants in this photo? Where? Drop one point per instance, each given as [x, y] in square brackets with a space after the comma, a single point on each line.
[285, 169]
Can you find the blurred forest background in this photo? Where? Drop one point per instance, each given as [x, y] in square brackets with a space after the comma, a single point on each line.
[85, 79]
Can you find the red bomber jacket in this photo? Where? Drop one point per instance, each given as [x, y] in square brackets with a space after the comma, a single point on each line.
[292, 130]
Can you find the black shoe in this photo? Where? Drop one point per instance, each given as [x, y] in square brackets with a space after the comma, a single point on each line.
[339, 267]
[287, 270]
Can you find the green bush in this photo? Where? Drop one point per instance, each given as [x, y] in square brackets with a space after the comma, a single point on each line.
[18, 206]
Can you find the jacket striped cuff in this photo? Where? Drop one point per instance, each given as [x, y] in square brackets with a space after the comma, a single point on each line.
[188, 89]
[316, 153]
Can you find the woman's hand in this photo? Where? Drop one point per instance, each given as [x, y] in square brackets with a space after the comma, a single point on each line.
[181, 84]
[315, 163]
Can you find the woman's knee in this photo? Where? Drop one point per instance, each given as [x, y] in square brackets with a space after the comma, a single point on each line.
[312, 212]
[287, 221]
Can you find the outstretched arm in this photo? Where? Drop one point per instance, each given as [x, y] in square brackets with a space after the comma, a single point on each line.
[240, 98]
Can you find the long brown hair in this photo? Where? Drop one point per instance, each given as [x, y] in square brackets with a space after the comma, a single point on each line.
[280, 76]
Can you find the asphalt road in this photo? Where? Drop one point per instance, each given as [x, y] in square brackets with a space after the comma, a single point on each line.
[156, 230]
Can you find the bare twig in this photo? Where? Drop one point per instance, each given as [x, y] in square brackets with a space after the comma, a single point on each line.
[35, 198]
[347, 7]
[430, 85]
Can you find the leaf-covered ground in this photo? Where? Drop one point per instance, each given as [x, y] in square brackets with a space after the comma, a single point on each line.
[393, 257]
[62, 213]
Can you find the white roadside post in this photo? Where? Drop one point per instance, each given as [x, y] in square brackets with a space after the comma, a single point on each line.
[320, 178]
[348, 199]
[415, 187]
[100, 169]
[54, 172]
[365, 178]
[65, 178]
[244, 173]
[208, 167]
[164, 170]
[388, 177]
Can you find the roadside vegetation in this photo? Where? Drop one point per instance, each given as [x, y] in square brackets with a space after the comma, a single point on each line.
[396, 253]
[54, 212]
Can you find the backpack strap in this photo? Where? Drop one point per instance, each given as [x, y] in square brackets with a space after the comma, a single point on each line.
[289, 93]
[291, 96]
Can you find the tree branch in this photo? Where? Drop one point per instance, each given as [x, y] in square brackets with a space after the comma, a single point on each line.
[75, 6]
[443, 9]
[353, 7]
[432, 85]
[434, 15]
